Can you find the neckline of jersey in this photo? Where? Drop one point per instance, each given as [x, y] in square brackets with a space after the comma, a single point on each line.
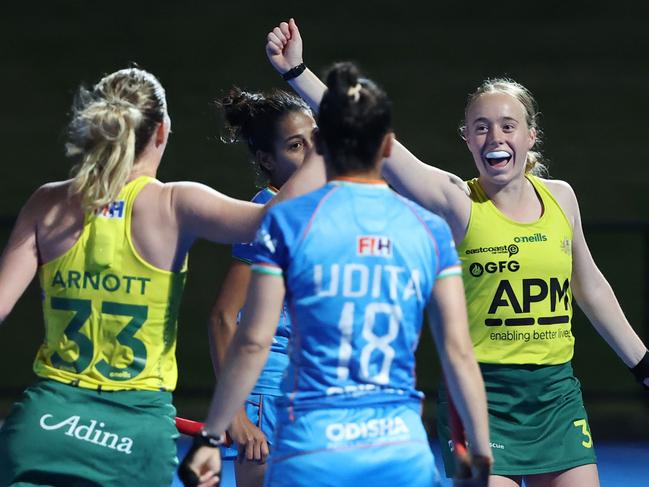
[540, 220]
[345, 180]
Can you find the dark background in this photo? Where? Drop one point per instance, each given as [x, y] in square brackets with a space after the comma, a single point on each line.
[586, 64]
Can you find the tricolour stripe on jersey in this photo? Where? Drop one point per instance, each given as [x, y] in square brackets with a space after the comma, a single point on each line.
[266, 269]
[455, 270]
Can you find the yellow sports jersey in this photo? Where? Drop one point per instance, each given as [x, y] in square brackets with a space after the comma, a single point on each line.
[110, 317]
[517, 282]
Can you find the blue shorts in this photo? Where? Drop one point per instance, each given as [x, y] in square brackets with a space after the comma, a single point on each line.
[262, 412]
[376, 446]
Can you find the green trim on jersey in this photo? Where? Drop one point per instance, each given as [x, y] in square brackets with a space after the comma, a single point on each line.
[517, 282]
[110, 316]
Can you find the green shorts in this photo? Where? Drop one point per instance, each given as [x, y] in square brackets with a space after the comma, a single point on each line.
[61, 435]
[537, 420]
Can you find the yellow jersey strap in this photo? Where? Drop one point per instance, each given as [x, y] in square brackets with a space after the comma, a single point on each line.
[478, 194]
[109, 225]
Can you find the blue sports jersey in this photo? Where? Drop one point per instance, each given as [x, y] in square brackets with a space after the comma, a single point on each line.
[270, 378]
[359, 263]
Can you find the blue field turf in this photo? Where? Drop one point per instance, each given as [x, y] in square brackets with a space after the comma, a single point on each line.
[620, 464]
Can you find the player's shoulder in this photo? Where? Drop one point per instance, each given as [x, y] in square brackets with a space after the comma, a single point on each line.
[558, 187]
[427, 218]
[300, 206]
[53, 189]
[563, 193]
[50, 195]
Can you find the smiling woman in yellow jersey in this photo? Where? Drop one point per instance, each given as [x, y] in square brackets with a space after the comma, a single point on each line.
[110, 246]
[525, 257]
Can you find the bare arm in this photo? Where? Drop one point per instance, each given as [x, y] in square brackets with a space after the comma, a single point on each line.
[284, 51]
[434, 189]
[251, 441]
[202, 212]
[19, 260]
[591, 289]
[244, 360]
[248, 351]
[448, 319]
[310, 176]
[223, 318]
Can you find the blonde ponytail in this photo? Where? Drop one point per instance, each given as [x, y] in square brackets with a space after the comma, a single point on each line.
[534, 164]
[110, 127]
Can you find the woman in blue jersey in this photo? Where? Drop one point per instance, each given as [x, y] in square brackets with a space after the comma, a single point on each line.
[110, 247]
[524, 255]
[277, 129]
[358, 264]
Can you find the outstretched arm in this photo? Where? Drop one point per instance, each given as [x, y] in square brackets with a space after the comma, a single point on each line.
[448, 320]
[202, 212]
[591, 289]
[435, 189]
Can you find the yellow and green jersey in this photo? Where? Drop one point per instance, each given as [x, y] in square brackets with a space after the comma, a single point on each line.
[110, 316]
[517, 282]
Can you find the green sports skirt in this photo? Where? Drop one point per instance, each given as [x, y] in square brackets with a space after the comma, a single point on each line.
[537, 420]
[62, 435]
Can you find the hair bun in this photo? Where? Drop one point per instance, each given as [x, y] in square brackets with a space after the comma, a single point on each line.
[343, 77]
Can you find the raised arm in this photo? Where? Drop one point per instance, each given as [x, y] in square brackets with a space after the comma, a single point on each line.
[439, 191]
[448, 320]
[284, 51]
[434, 189]
[591, 289]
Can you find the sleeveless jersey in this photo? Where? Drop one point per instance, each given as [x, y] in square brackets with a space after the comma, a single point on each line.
[517, 282]
[359, 263]
[271, 376]
[110, 317]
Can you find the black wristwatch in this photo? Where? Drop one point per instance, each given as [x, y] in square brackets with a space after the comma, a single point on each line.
[294, 72]
[203, 438]
[641, 371]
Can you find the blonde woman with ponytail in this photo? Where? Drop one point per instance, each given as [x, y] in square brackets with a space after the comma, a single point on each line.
[524, 256]
[110, 248]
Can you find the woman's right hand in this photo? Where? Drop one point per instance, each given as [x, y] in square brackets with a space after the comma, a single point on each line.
[284, 46]
[472, 471]
[250, 440]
